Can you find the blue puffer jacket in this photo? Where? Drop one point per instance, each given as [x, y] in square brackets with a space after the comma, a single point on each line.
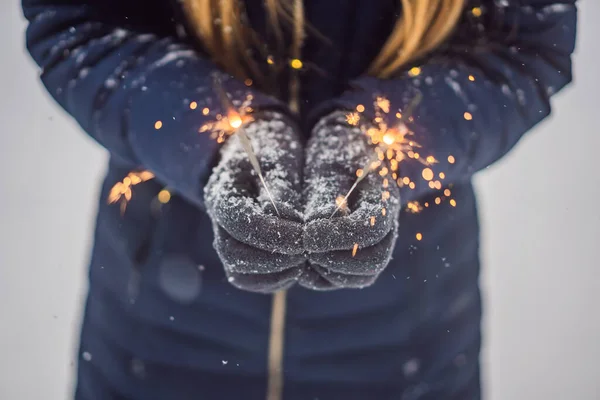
[161, 320]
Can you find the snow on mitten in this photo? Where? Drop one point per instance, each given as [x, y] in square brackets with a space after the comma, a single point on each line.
[351, 248]
[260, 249]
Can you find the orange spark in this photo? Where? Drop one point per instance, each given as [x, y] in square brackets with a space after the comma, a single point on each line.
[414, 71]
[164, 196]
[296, 63]
[414, 207]
[427, 174]
[353, 119]
[121, 191]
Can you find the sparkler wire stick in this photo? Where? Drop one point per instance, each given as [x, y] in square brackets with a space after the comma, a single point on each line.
[236, 122]
[245, 140]
[367, 168]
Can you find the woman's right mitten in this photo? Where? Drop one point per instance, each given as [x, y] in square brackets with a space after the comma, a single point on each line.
[260, 245]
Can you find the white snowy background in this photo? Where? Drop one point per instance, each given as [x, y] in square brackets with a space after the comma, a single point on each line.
[539, 209]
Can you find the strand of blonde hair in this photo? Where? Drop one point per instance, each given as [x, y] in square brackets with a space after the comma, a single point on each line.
[425, 24]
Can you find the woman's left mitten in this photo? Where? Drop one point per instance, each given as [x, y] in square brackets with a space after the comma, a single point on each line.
[351, 246]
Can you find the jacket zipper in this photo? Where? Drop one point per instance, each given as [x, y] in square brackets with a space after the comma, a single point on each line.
[276, 344]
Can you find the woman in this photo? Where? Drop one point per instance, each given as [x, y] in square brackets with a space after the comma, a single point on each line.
[167, 316]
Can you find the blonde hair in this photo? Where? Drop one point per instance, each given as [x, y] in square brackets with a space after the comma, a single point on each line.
[220, 26]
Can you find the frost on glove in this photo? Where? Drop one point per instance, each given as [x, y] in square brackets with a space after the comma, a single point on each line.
[261, 251]
[351, 248]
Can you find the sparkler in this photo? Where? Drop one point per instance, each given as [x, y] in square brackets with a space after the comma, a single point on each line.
[236, 124]
[233, 122]
[389, 143]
